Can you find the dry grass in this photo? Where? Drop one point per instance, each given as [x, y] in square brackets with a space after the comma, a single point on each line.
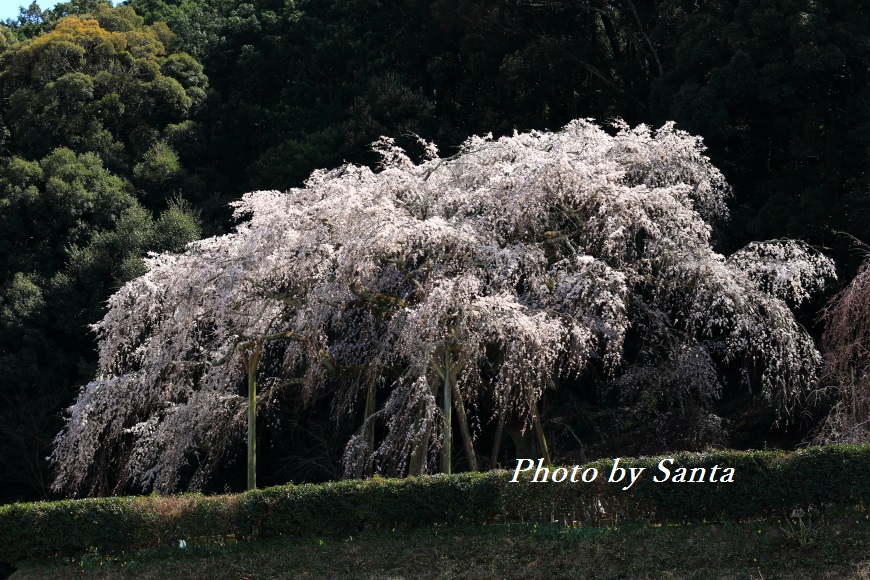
[839, 548]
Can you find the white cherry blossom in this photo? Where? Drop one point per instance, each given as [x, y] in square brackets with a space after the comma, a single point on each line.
[434, 287]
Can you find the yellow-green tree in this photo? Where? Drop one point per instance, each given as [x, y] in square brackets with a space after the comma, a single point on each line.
[106, 84]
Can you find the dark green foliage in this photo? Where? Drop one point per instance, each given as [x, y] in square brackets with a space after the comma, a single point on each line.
[303, 85]
[767, 483]
[89, 183]
[105, 85]
[779, 90]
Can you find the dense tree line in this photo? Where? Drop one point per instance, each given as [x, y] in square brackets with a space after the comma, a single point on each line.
[89, 181]
[126, 130]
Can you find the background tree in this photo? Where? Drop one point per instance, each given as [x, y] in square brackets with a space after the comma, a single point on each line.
[89, 183]
[467, 284]
[73, 232]
[779, 90]
[847, 356]
[105, 85]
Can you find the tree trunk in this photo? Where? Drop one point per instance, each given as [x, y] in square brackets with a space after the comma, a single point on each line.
[612, 38]
[463, 426]
[496, 444]
[447, 410]
[525, 442]
[369, 429]
[252, 363]
[420, 451]
[542, 439]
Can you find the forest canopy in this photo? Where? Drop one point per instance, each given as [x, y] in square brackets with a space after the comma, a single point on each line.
[89, 182]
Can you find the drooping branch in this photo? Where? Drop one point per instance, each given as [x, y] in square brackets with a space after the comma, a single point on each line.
[376, 298]
[496, 443]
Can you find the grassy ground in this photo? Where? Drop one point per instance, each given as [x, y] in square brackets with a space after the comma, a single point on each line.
[830, 546]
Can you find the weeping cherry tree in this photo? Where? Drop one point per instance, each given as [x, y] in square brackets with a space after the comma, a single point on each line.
[846, 341]
[445, 293]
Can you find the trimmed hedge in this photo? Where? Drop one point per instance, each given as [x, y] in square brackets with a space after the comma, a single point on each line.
[765, 484]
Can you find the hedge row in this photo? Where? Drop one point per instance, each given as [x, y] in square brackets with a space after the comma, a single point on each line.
[765, 483]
